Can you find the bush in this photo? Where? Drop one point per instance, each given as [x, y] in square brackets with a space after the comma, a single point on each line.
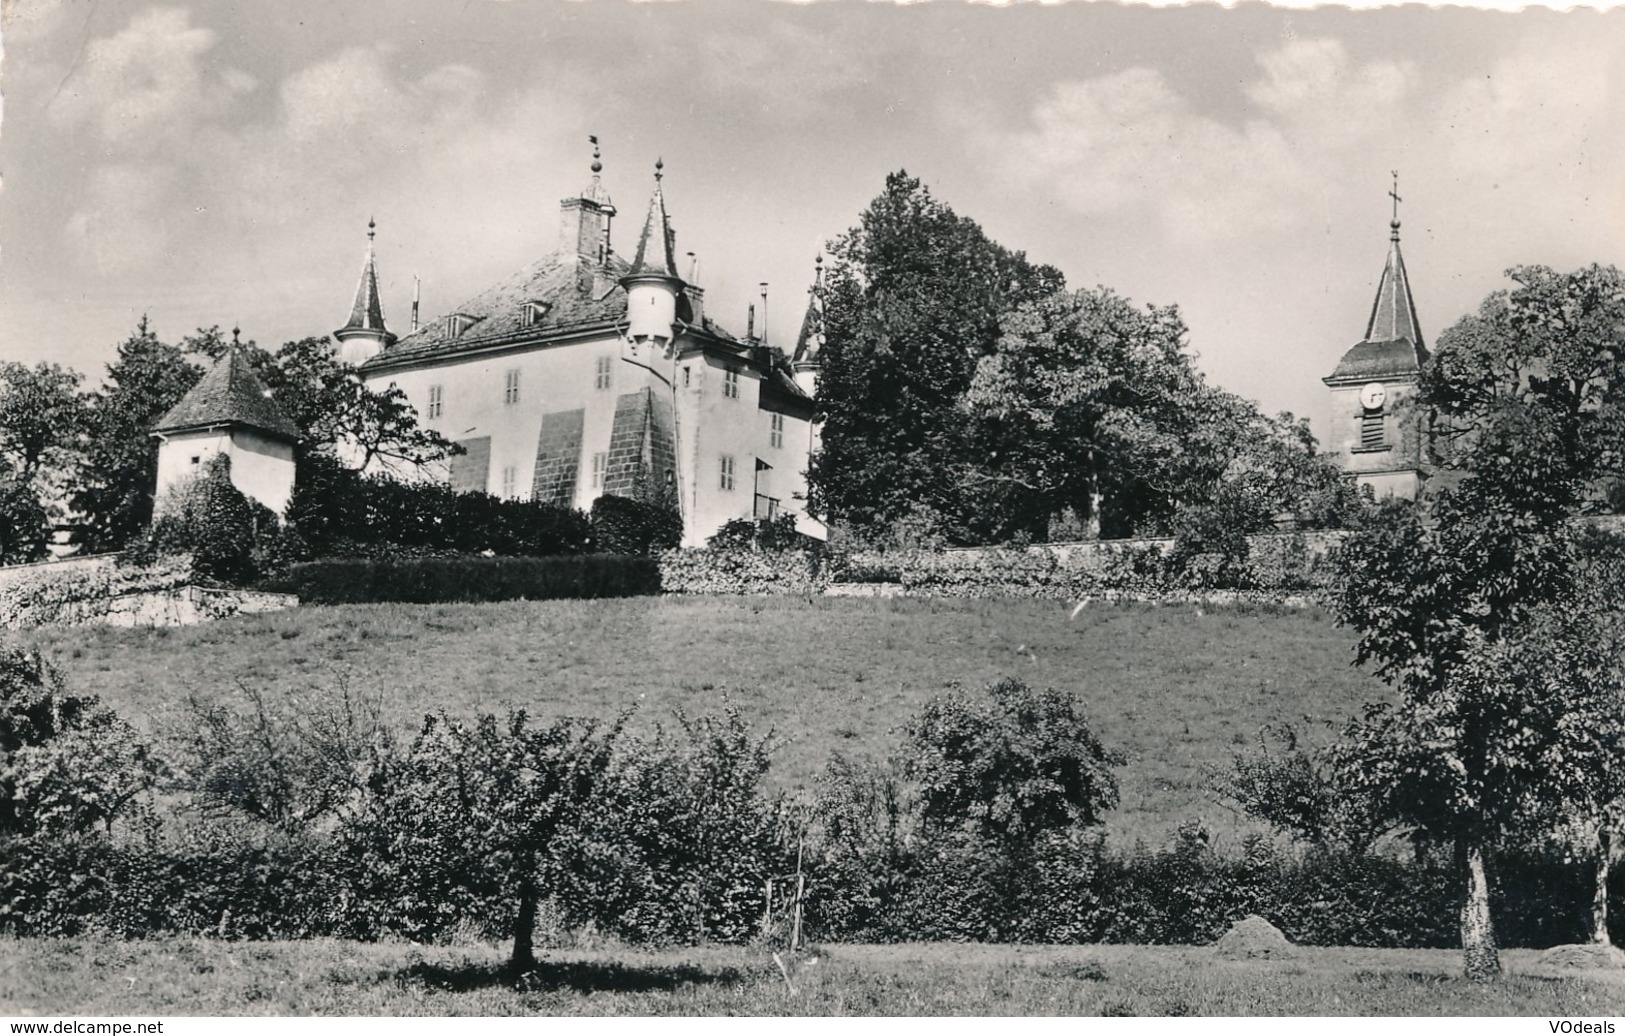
[621, 525]
[746, 571]
[209, 518]
[442, 580]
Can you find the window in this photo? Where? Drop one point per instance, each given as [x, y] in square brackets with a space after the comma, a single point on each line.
[535, 312]
[727, 481]
[510, 481]
[437, 398]
[460, 323]
[197, 460]
[510, 387]
[730, 383]
[600, 465]
[1371, 437]
[775, 434]
[604, 366]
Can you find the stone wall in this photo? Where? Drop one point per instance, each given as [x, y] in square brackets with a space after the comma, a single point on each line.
[99, 590]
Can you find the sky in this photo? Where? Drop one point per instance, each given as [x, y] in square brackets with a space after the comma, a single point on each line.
[210, 163]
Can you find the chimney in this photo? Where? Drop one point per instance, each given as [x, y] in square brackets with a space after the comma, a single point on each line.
[416, 288]
[750, 323]
[764, 312]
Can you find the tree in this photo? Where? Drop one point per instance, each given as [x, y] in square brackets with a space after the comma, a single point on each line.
[1092, 405]
[42, 418]
[342, 416]
[480, 805]
[24, 525]
[1010, 765]
[120, 468]
[915, 296]
[1475, 609]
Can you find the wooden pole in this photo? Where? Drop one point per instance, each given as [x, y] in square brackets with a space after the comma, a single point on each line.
[795, 931]
[767, 911]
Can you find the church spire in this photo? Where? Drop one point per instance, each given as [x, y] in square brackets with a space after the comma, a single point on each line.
[364, 334]
[654, 257]
[1393, 313]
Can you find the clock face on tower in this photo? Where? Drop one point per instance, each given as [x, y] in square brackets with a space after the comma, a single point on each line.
[1372, 395]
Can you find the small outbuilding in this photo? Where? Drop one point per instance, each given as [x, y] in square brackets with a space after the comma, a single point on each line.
[230, 412]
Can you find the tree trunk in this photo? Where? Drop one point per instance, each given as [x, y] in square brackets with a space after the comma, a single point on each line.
[1607, 853]
[1480, 957]
[524, 925]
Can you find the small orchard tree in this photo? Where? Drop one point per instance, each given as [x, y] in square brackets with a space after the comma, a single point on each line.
[478, 806]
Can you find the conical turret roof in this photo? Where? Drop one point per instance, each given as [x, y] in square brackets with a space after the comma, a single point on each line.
[654, 256]
[230, 393]
[810, 342]
[367, 312]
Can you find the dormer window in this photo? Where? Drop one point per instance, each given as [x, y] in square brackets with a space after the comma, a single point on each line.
[535, 312]
[461, 323]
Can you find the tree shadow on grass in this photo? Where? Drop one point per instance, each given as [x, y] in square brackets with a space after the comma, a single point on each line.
[560, 976]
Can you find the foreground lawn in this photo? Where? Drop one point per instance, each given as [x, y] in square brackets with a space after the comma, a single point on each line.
[1177, 689]
[201, 977]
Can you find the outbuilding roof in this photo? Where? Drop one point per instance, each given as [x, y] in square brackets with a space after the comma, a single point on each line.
[230, 393]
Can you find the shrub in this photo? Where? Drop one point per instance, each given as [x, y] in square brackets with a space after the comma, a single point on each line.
[342, 513]
[621, 525]
[67, 762]
[440, 580]
[742, 571]
[209, 518]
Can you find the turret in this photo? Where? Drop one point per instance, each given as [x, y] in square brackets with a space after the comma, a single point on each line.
[805, 361]
[364, 335]
[652, 286]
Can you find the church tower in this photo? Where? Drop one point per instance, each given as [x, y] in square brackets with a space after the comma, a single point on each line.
[1377, 436]
[364, 335]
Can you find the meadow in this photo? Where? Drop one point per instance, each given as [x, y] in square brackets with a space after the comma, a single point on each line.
[1178, 689]
[325, 977]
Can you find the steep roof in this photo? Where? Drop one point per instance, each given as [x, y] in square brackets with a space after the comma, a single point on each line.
[1392, 346]
[569, 293]
[654, 256]
[229, 393]
[367, 312]
[811, 339]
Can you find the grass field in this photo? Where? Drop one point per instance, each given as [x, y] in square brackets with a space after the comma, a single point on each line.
[1175, 688]
[325, 977]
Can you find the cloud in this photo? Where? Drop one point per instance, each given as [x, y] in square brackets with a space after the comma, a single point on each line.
[145, 88]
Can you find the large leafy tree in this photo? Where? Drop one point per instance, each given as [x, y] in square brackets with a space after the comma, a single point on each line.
[1476, 611]
[1091, 404]
[915, 295]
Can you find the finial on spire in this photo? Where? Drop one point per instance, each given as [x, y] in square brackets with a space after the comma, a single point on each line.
[597, 166]
[1393, 193]
[236, 333]
[372, 227]
[659, 165]
[818, 272]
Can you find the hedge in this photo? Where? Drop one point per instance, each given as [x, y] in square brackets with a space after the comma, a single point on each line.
[439, 580]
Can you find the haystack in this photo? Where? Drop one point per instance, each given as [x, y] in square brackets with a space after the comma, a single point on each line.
[1253, 938]
[1583, 955]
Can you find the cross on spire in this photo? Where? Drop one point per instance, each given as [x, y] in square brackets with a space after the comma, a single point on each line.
[1394, 194]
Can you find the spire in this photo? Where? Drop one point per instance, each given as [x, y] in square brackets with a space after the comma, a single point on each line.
[810, 342]
[654, 256]
[1393, 314]
[367, 312]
